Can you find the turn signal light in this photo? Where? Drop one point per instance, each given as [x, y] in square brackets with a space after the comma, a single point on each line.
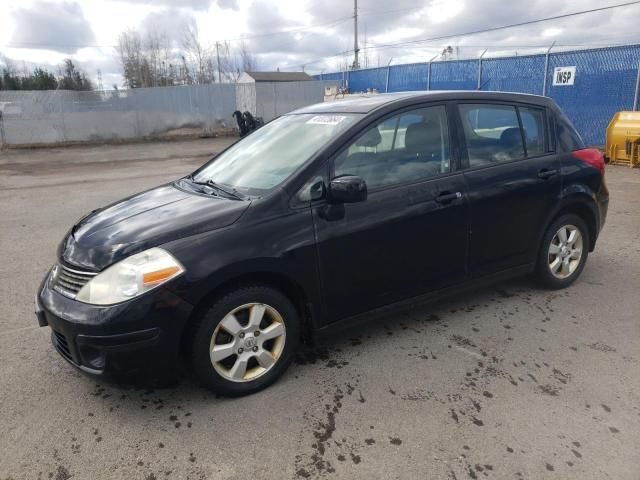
[158, 276]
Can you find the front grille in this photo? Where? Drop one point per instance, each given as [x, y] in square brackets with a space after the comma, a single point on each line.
[61, 344]
[69, 281]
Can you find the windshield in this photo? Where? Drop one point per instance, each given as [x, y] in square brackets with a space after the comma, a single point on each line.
[267, 157]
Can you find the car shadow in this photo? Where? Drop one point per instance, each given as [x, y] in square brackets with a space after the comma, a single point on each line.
[139, 401]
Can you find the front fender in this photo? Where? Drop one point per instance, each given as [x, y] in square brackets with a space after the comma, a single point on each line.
[278, 247]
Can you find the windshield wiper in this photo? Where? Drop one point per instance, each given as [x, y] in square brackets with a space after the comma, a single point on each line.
[216, 186]
[232, 193]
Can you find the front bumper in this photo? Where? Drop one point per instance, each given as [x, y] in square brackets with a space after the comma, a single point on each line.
[136, 341]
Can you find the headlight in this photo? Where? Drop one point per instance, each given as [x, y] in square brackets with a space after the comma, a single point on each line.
[130, 277]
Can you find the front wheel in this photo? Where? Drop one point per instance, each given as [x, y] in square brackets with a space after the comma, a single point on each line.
[563, 252]
[245, 341]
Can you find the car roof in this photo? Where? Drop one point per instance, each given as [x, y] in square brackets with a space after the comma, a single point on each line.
[370, 102]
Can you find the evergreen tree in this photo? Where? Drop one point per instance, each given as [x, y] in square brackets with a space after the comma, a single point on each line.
[70, 78]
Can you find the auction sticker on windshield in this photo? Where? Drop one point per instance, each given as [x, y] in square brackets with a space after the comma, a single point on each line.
[326, 119]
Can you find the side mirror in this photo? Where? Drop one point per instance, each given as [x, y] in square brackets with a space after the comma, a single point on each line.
[347, 189]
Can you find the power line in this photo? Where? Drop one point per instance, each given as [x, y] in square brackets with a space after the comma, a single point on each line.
[369, 46]
[241, 38]
[260, 35]
[320, 25]
[513, 25]
[249, 37]
[294, 30]
[60, 45]
[473, 32]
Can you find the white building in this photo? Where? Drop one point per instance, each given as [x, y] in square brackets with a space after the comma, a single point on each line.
[260, 77]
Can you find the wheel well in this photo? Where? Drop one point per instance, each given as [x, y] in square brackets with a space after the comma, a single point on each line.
[585, 213]
[289, 288]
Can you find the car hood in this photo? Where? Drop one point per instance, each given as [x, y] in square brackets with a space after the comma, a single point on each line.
[143, 221]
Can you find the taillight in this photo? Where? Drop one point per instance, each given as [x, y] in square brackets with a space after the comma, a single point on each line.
[591, 156]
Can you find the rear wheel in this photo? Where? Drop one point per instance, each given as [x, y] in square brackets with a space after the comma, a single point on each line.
[563, 253]
[245, 341]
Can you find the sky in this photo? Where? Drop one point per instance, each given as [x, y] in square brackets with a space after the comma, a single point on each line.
[309, 34]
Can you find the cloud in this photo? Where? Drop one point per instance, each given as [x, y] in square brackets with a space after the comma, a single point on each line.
[228, 4]
[316, 31]
[275, 46]
[170, 22]
[264, 16]
[60, 27]
[405, 21]
[193, 4]
[309, 44]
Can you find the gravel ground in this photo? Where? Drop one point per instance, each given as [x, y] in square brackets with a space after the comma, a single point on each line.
[504, 382]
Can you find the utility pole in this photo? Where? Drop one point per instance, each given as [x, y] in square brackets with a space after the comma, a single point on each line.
[218, 60]
[100, 86]
[356, 50]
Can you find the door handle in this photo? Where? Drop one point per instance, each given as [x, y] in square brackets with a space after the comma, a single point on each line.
[544, 174]
[446, 197]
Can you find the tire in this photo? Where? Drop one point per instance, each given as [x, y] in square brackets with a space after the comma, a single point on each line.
[570, 267]
[228, 357]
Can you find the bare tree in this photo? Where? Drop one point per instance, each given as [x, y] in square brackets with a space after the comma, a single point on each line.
[447, 52]
[226, 63]
[146, 62]
[185, 74]
[130, 52]
[72, 78]
[198, 54]
[156, 49]
[150, 61]
[248, 61]
[234, 61]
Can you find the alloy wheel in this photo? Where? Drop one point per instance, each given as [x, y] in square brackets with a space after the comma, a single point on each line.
[248, 342]
[565, 251]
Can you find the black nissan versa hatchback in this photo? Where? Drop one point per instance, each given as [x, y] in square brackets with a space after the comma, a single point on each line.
[323, 217]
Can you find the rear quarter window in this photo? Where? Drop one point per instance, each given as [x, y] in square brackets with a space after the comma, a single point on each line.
[553, 130]
[569, 139]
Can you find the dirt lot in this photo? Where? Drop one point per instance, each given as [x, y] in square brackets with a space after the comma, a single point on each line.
[504, 382]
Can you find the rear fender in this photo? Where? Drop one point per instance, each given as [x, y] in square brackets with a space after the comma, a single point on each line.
[578, 199]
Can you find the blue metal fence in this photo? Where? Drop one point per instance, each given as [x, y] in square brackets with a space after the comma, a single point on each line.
[514, 74]
[407, 77]
[459, 75]
[606, 81]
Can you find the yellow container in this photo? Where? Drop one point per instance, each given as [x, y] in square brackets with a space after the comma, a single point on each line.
[623, 139]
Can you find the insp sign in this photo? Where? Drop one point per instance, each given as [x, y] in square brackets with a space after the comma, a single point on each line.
[564, 76]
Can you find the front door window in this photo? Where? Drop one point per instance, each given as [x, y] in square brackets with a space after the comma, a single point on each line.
[405, 148]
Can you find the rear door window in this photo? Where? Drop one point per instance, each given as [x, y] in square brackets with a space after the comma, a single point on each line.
[533, 126]
[492, 133]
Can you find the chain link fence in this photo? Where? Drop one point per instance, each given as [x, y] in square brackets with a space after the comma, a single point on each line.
[606, 81]
[57, 116]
